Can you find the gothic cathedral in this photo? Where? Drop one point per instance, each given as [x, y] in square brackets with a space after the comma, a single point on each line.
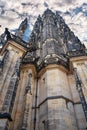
[43, 81]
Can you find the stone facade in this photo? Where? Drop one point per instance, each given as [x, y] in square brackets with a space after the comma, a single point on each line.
[43, 81]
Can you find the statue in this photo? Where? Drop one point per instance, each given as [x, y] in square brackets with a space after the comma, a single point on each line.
[7, 33]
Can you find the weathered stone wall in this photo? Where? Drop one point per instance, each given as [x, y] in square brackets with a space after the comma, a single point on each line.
[58, 103]
[6, 76]
[7, 71]
[81, 65]
[56, 110]
[24, 101]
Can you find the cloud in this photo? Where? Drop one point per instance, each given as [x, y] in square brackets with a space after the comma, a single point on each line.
[74, 13]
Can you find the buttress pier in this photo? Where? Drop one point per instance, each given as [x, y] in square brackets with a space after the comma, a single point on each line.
[43, 81]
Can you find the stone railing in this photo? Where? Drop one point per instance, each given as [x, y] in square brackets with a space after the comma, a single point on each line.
[76, 53]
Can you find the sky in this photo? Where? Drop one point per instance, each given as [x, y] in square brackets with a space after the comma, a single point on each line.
[74, 12]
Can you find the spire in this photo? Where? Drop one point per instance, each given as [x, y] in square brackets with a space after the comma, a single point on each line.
[22, 28]
[23, 25]
[38, 24]
[24, 22]
[39, 18]
[48, 11]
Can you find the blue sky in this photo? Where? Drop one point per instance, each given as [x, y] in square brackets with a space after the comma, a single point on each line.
[27, 34]
[74, 12]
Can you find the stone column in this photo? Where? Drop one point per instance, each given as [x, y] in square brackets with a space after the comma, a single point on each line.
[26, 112]
[4, 124]
[28, 95]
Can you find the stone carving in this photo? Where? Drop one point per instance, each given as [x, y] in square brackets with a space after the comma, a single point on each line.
[54, 36]
[7, 33]
[4, 37]
[26, 110]
[4, 60]
[11, 92]
[2, 40]
[17, 68]
[26, 114]
[28, 87]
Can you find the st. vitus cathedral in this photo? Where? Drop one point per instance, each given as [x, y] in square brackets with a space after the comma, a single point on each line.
[43, 81]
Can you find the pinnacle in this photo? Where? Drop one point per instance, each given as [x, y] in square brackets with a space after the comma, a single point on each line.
[48, 11]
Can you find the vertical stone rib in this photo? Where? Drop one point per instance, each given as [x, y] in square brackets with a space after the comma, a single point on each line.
[11, 92]
[80, 91]
[20, 102]
[7, 75]
[6, 68]
[26, 112]
[27, 103]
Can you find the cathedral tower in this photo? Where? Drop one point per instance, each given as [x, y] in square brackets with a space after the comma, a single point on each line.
[43, 80]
